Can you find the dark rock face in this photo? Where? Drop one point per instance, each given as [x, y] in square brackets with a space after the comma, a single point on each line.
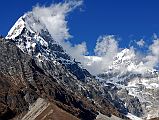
[24, 79]
[11, 81]
[114, 98]
[121, 99]
[22, 82]
[50, 50]
[132, 103]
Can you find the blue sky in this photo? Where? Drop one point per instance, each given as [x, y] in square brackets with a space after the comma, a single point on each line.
[128, 19]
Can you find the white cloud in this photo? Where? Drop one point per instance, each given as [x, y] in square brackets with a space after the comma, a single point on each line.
[54, 19]
[105, 50]
[140, 43]
[153, 58]
[106, 46]
[77, 51]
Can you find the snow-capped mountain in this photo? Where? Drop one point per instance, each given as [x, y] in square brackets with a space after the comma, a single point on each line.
[126, 77]
[126, 72]
[62, 77]
[32, 37]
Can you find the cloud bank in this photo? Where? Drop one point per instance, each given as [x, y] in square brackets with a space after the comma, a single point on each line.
[152, 59]
[54, 17]
[105, 50]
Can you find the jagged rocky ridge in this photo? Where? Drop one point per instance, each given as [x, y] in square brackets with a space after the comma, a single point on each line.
[42, 69]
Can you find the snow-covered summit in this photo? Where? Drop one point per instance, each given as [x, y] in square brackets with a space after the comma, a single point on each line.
[128, 61]
[16, 29]
[124, 59]
[28, 21]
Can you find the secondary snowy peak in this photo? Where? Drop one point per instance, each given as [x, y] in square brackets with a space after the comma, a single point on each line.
[124, 56]
[124, 59]
[128, 61]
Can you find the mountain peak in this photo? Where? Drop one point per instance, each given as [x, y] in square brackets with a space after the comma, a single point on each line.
[16, 29]
[125, 54]
[28, 21]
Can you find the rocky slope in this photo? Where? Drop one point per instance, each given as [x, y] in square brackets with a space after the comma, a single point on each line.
[44, 110]
[23, 82]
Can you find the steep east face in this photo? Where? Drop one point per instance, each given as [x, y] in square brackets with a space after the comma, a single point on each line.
[32, 37]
